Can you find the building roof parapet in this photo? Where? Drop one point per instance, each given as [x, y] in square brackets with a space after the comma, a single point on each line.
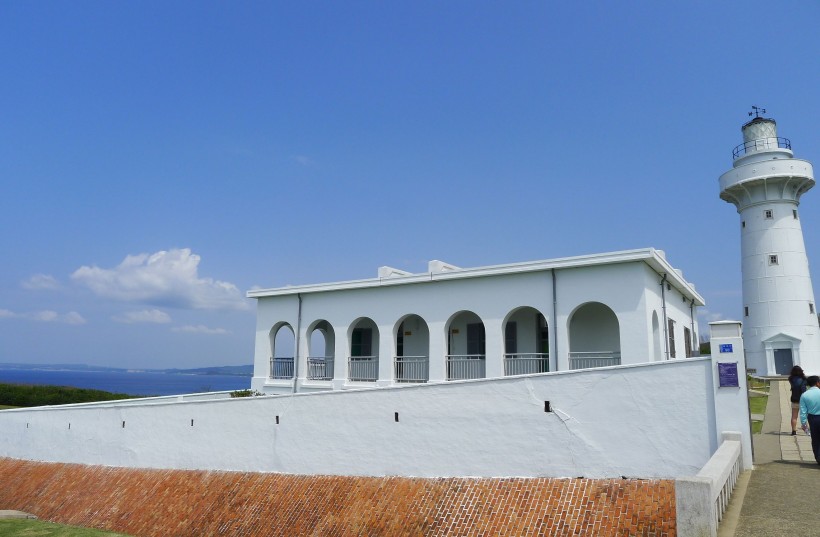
[655, 259]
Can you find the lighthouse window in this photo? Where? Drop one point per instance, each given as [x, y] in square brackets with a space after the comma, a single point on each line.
[811, 307]
[746, 311]
[743, 224]
[794, 213]
[773, 260]
[768, 213]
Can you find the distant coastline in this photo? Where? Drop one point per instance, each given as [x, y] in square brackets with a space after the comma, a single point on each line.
[134, 382]
[226, 370]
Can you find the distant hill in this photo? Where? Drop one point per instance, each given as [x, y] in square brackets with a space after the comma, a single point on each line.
[238, 370]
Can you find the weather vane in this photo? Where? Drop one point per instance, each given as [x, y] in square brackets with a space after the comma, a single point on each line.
[757, 111]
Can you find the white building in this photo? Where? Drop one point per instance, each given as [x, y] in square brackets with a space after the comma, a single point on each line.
[451, 323]
[780, 324]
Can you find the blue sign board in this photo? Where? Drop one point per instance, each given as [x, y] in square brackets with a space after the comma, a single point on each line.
[727, 374]
[726, 347]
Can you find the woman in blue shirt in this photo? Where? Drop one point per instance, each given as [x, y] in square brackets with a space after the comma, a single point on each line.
[810, 414]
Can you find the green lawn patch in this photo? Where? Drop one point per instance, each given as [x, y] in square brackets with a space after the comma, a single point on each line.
[40, 528]
[25, 395]
[757, 405]
[758, 383]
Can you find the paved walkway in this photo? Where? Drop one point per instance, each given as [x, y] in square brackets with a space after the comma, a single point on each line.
[7, 513]
[781, 496]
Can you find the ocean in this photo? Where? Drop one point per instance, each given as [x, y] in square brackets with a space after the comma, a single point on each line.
[129, 382]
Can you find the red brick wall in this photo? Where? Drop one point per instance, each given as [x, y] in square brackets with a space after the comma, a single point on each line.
[202, 503]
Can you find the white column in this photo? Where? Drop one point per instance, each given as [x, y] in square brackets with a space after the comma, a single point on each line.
[438, 351]
[731, 404]
[341, 352]
[387, 350]
[494, 334]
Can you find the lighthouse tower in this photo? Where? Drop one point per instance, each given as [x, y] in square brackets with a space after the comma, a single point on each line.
[780, 323]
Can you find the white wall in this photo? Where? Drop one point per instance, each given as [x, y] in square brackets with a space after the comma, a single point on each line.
[651, 420]
[527, 330]
[417, 342]
[621, 288]
[677, 309]
[778, 296]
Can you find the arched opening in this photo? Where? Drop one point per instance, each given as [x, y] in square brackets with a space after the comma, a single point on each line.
[594, 337]
[466, 347]
[411, 361]
[526, 342]
[283, 343]
[657, 353]
[363, 362]
[321, 349]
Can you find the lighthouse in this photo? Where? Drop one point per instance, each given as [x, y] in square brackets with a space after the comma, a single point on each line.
[780, 323]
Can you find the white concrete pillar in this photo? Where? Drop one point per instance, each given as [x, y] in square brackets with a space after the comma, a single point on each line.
[730, 387]
[341, 352]
[494, 347]
[438, 351]
[387, 351]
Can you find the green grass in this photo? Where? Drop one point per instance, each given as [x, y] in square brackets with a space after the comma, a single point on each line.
[24, 395]
[757, 405]
[758, 384]
[4, 407]
[39, 528]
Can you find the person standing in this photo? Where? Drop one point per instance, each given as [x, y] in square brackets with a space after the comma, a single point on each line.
[810, 413]
[797, 382]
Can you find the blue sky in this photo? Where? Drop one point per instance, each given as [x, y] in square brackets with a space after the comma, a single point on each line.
[159, 159]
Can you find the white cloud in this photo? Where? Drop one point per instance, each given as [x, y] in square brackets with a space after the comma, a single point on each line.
[40, 281]
[143, 316]
[45, 316]
[200, 329]
[165, 278]
[72, 317]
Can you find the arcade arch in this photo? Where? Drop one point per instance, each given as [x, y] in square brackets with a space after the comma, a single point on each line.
[594, 337]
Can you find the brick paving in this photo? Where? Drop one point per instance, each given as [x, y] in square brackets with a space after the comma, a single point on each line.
[169, 503]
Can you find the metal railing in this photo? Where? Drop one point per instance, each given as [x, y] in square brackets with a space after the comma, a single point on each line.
[466, 366]
[281, 367]
[320, 367]
[524, 363]
[586, 360]
[363, 368]
[411, 368]
[760, 144]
